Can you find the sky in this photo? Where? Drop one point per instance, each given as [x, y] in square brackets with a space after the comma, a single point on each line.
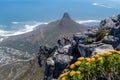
[46, 10]
[27, 12]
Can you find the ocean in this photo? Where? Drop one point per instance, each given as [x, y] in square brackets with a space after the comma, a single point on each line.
[21, 16]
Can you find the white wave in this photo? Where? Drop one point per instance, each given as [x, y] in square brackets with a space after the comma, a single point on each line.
[88, 21]
[15, 22]
[1, 39]
[101, 5]
[28, 28]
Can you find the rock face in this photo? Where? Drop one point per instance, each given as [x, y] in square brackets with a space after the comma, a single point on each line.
[111, 22]
[114, 41]
[113, 25]
[63, 56]
[102, 48]
[57, 63]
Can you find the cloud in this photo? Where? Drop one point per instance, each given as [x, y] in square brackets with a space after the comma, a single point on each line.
[107, 3]
[88, 21]
[101, 5]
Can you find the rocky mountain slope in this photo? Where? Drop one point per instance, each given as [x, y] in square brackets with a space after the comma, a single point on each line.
[52, 61]
[19, 48]
[30, 41]
[60, 58]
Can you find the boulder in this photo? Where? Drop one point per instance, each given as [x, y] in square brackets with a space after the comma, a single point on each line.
[80, 37]
[109, 22]
[91, 49]
[115, 31]
[57, 64]
[63, 58]
[91, 33]
[114, 41]
[65, 49]
[85, 50]
[50, 61]
[102, 48]
[61, 62]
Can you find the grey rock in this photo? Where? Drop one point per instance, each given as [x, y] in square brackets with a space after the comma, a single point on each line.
[61, 62]
[114, 41]
[109, 22]
[91, 33]
[65, 49]
[80, 37]
[102, 48]
[86, 50]
[50, 61]
[91, 49]
[63, 58]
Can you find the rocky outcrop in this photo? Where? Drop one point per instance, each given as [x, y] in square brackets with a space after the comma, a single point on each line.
[112, 40]
[110, 22]
[102, 48]
[58, 62]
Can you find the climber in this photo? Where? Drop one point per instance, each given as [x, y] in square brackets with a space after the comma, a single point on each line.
[67, 40]
[59, 43]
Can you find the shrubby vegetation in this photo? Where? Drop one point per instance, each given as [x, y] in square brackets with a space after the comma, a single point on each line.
[89, 40]
[98, 67]
[101, 33]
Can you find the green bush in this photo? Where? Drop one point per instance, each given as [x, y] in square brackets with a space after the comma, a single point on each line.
[102, 66]
[101, 33]
[89, 40]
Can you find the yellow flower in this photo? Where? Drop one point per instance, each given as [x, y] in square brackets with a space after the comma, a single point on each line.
[72, 66]
[72, 73]
[87, 59]
[118, 52]
[97, 55]
[112, 51]
[108, 53]
[92, 59]
[66, 73]
[81, 58]
[100, 58]
[61, 75]
[77, 63]
[100, 54]
[78, 72]
[63, 78]
[87, 63]
[93, 56]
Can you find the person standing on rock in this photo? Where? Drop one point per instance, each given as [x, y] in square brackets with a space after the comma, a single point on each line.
[67, 40]
[59, 43]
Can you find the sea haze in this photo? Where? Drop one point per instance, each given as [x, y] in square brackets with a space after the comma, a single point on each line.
[21, 16]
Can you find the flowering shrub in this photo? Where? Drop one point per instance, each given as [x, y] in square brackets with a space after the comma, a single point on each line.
[100, 66]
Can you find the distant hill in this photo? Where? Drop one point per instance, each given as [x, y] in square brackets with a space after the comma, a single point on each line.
[31, 41]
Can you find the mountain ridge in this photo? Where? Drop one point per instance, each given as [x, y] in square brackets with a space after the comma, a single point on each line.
[57, 28]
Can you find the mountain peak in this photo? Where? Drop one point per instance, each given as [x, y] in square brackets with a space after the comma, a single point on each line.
[65, 20]
[66, 16]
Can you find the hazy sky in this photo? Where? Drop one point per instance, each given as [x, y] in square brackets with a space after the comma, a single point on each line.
[45, 10]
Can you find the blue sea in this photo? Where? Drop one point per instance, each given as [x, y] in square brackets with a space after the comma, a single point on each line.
[20, 15]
